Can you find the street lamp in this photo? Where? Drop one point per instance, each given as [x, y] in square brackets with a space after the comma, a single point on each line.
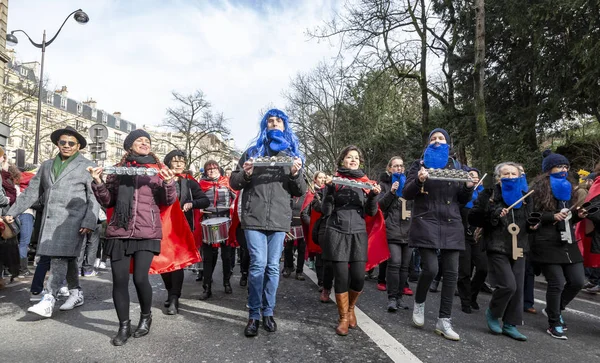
[80, 17]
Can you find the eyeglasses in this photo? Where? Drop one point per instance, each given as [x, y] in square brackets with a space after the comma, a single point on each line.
[71, 143]
[211, 169]
[562, 167]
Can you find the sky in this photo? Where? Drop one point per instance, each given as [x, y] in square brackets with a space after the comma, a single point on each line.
[132, 54]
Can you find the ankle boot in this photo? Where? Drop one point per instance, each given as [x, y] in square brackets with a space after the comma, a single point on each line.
[173, 307]
[324, 298]
[207, 292]
[342, 305]
[352, 297]
[227, 286]
[143, 327]
[123, 334]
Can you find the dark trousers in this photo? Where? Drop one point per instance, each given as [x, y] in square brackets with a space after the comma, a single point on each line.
[210, 255]
[449, 266]
[382, 274]
[245, 256]
[468, 288]
[120, 275]
[352, 276]
[564, 283]
[288, 254]
[89, 250]
[528, 284]
[508, 276]
[397, 268]
[324, 271]
[173, 282]
[42, 268]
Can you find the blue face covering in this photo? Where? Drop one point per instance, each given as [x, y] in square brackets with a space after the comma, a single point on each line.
[475, 194]
[561, 187]
[436, 155]
[277, 141]
[512, 190]
[401, 179]
[524, 186]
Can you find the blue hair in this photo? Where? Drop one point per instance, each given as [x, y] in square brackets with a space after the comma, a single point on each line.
[261, 142]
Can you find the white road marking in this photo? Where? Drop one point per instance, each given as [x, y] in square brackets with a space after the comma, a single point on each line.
[577, 298]
[386, 342]
[576, 312]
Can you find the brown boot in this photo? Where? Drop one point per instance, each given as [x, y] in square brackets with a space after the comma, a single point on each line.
[353, 296]
[342, 305]
[324, 298]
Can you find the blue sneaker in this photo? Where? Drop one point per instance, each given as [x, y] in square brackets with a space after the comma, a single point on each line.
[557, 332]
[560, 319]
[511, 331]
[492, 323]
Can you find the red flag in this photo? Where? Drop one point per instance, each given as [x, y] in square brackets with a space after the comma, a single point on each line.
[584, 229]
[235, 222]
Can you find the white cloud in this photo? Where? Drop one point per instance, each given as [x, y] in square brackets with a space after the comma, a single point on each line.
[132, 54]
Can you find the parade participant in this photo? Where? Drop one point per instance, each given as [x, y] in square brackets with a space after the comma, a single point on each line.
[266, 212]
[298, 243]
[9, 248]
[491, 213]
[134, 230]
[469, 284]
[437, 224]
[190, 197]
[553, 246]
[396, 211]
[70, 212]
[346, 238]
[221, 197]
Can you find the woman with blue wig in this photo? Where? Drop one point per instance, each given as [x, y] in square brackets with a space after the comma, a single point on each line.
[437, 225]
[266, 212]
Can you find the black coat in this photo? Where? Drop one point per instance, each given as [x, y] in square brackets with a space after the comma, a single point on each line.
[595, 219]
[396, 228]
[189, 191]
[436, 221]
[486, 214]
[346, 208]
[296, 203]
[266, 197]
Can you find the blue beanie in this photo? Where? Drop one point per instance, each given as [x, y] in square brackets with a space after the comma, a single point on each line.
[551, 160]
[134, 135]
[444, 132]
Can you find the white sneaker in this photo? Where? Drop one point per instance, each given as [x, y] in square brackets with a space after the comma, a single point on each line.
[443, 327]
[96, 263]
[102, 266]
[44, 308]
[37, 297]
[418, 316]
[63, 292]
[75, 299]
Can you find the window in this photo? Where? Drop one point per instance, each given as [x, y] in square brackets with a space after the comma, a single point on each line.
[119, 152]
[104, 117]
[48, 115]
[10, 141]
[6, 78]
[79, 108]
[94, 113]
[26, 123]
[117, 123]
[26, 106]
[79, 125]
[7, 99]
[23, 144]
[23, 71]
[50, 97]
[117, 137]
[63, 103]
[129, 127]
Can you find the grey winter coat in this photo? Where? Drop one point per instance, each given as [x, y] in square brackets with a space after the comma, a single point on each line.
[69, 205]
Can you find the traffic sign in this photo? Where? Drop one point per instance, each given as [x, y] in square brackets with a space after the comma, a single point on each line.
[98, 133]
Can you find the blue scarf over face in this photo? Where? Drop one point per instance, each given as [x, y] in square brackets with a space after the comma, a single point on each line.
[436, 155]
[475, 194]
[524, 186]
[277, 141]
[561, 187]
[512, 190]
[401, 179]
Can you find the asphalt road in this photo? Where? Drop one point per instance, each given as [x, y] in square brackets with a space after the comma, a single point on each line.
[212, 330]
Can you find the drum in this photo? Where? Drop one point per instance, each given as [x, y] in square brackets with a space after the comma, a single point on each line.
[296, 232]
[215, 230]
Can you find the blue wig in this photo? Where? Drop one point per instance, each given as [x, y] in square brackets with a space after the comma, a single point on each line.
[260, 146]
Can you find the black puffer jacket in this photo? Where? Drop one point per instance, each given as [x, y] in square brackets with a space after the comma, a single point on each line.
[266, 198]
[486, 214]
[395, 227]
[436, 221]
[346, 208]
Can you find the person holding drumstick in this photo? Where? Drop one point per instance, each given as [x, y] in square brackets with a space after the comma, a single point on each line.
[436, 224]
[190, 197]
[266, 212]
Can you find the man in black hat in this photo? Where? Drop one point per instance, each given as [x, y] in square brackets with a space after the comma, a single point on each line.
[70, 211]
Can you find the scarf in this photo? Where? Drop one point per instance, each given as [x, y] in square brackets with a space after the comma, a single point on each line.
[222, 182]
[474, 198]
[524, 186]
[127, 188]
[512, 190]
[561, 187]
[401, 179]
[277, 141]
[58, 166]
[436, 155]
[357, 175]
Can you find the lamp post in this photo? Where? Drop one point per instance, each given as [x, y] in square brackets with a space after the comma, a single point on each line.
[80, 17]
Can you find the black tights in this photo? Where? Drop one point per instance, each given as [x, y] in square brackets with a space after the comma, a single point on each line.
[356, 274]
[120, 275]
[173, 282]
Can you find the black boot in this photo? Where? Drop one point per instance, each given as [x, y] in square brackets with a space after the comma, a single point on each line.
[244, 279]
[143, 327]
[227, 285]
[173, 307]
[123, 334]
[207, 292]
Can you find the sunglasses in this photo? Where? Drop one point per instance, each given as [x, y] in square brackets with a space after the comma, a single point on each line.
[70, 143]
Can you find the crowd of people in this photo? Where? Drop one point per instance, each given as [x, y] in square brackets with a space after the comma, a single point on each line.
[148, 216]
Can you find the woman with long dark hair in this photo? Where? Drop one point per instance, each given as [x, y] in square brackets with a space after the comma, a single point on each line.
[346, 238]
[134, 231]
[437, 225]
[553, 246]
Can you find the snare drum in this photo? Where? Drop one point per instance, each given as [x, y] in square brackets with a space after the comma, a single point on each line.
[296, 232]
[215, 230]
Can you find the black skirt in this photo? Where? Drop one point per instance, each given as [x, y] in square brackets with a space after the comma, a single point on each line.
[116, 249]
[339, 246]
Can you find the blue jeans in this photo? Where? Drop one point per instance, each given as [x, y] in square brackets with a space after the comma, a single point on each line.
[25, 234]
[265, 249]
[42, 268]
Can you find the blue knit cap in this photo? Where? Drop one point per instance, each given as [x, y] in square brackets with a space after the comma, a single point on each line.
[444, 132]
[551, 160]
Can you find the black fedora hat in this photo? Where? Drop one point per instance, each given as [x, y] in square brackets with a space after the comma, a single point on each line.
[54, 136]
